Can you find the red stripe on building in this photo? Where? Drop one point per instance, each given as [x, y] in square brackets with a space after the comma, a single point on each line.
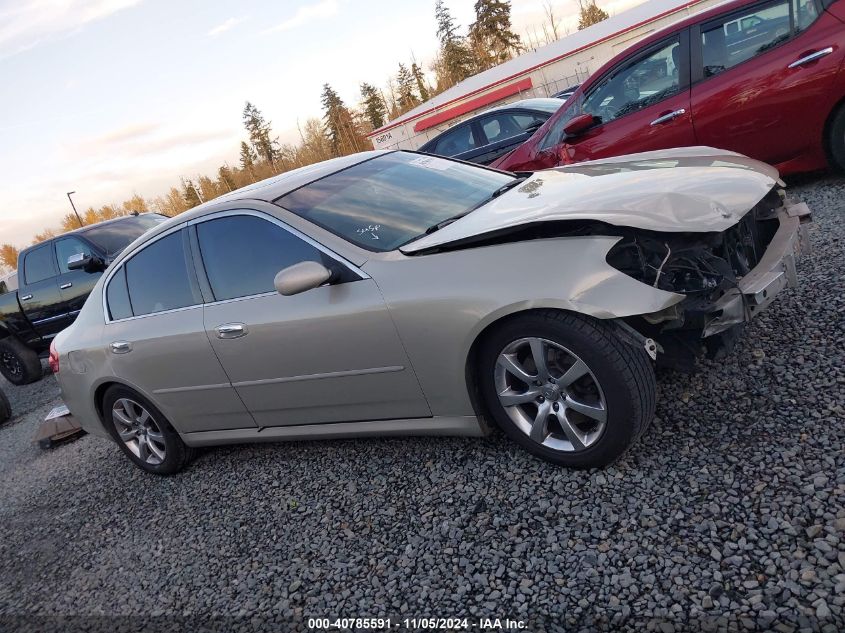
[473, 104]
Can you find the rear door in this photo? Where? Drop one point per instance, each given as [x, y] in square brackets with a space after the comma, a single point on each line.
[331, 354]
[156, 340]
[39, 292]
[762, 78]
[642, 104]
[74, 285]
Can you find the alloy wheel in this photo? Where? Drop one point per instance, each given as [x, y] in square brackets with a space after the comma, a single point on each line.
[137, 428]
[550, 394]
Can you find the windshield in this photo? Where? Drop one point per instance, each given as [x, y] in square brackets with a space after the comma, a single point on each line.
[115, 236]
[384, 202]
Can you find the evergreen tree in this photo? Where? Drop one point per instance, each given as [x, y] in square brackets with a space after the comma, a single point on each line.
[344, 137]
[266, 148]
[492, 38]
[590, 14]
[189, 194]
[248, 157]
[405, 87]
[375, 110]
[422, 87]
[455, 62]
[225, 178]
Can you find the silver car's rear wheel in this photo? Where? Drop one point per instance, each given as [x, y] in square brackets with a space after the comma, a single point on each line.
[139, 431]
[144, 435]
[550, 394]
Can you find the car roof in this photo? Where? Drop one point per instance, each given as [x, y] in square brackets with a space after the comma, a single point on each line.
[270, 189]
[541, 103]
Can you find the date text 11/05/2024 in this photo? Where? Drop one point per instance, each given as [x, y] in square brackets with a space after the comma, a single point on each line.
[414, 624]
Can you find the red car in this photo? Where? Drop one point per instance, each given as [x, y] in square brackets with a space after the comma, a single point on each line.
[763, 79]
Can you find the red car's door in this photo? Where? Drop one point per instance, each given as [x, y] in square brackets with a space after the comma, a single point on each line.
[763, 79]
[641, 104]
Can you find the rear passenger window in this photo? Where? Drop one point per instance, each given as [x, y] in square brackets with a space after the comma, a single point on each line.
[456, 141]
[117, 296]
[745, 35]
[806, 12]
[158, 278]
[243, 253]
[38, 264]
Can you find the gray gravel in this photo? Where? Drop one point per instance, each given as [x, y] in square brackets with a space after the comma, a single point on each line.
[729, 515]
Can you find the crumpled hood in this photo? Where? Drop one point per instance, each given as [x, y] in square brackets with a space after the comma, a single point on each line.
[688, 189]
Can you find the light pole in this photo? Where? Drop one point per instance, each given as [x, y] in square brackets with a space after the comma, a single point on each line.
[73, 206]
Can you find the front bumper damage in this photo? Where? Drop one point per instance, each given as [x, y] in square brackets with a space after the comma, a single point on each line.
[774, 272]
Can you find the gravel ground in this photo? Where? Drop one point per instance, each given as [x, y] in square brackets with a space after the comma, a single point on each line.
[729, 515]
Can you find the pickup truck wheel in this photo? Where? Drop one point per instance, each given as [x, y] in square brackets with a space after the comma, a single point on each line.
[19, 364]
[567, 388]
[5, 408]
[143, 433]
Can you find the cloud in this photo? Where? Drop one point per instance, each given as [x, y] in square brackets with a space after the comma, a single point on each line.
[225, 26]
[144, 140]
[27, 23]
[306, 14]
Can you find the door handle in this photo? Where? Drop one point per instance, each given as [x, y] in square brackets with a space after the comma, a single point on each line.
[669, 116]
[26, 297]
[121, 347]
[66, 286]
[811, 57]
[231, 330]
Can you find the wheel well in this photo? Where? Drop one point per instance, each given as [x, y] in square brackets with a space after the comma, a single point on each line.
[471, 369]
[99, 396]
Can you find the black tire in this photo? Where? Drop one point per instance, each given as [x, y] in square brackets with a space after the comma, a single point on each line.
[19, 364]
[5, 408]
[623, 372]
[177, 454]
[836, 140]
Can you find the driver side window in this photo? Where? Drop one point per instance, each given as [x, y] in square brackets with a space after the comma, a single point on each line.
[641, 83]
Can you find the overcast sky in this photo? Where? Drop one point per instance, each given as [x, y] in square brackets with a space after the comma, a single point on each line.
[114, 97]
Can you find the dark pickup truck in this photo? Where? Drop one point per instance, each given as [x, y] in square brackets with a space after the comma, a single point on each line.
[54, 280]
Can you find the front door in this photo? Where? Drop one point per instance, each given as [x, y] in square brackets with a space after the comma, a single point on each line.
[330, 354]
[39, 292]
[763, 78]
[642, 104]
[75, 285]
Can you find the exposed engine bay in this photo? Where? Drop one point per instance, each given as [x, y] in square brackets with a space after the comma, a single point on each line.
[703, 267]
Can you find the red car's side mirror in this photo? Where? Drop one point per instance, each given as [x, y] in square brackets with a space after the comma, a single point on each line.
[579, 124]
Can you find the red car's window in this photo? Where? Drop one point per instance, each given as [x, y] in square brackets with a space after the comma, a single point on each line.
[742, 36]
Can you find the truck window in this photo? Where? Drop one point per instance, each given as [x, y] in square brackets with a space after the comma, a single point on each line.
[38, 264]
[67, 247]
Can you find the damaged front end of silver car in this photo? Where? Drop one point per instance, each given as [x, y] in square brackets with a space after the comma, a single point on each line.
[726, 278]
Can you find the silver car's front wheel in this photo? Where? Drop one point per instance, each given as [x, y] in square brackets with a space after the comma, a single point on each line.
[144, 435]
[550, 394]
[139, 431]
[566, 387]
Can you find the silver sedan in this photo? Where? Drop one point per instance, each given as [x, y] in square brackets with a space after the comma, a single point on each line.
[393, 293]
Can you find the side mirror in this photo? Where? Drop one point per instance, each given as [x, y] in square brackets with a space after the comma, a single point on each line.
[579, 124]
[88, 263]
[301, 277]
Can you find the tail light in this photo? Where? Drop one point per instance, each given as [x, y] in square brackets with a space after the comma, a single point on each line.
[54, 358]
